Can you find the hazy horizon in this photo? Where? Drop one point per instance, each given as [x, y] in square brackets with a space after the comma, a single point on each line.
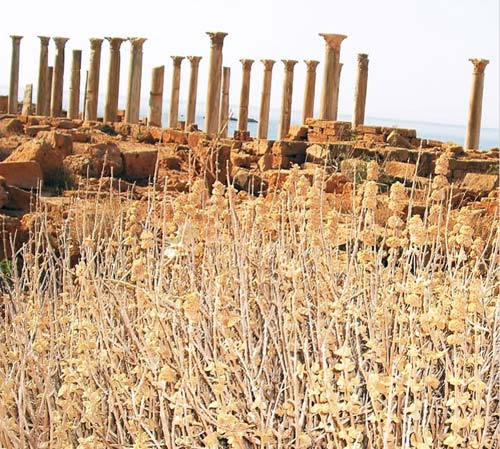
[419, 68]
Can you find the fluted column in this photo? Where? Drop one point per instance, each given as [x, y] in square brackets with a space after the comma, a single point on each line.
[193, 90]
[111, 106]
[74, 88]
[224, 104]
[14, 75]
[156, 96]
[329, 94]
[244, 94]
[48, 90]
[58, 78]
[265, 99]
[310, 90]
[134, 80]
[173, 116]
[358, 117]
[93, 81]
[42, 94]
[286, 99]
[214, 82]
[475, 104]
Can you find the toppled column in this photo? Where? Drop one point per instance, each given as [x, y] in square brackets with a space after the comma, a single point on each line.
[134, 80]
[74, 88]
[193, 90]
[286, 99]
[173, 117]
[27, 99]
[331, 75]
[42, 94]
[265, 99]
[244, 94]
[111, 106]
[14, 75]
[224, 104]
[48, 90]
[156, 96]
[360, 91]
[214, 82]
[475, 104]
[310, 90]
[93, 81]
[58, 77]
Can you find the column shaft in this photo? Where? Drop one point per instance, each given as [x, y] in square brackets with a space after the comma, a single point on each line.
[337, 91]
[111, 106]
[58, 78]
[310, 90]
[244, 94]
[224, 104]
[93, 82]
[42, 93]
[286, 100]
[265, 99]
[74, 88]
[173, 117]
[134, 80]
[358, 117]
[475, 104]
[48, 90]
[27, 99]
[193, 90]
[156, 96]
[214, 82]
[13, 101]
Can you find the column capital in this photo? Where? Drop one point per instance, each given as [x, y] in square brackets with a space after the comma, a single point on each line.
[217, 38]
[16, 39]
[333, 40]
[115, 42]
[95, 43]
[44, 40]
[479, 64]
[137, 42]
[363, 60]
[194, 60]
[177, 60]
[268, 63]
[60, 42]
[311, 64]
[246, 63]
[289, 64]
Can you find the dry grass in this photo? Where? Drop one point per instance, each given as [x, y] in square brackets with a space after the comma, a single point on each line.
[227, 321]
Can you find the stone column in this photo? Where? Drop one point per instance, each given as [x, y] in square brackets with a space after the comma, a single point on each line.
[48, 90]
[224, 104]
[111, 106]
[244, 94]
[358, 117]
[27, 99]
[330, 75]
[74, 88]
[58, 77]
[134, 80]
[475, 104]
[214, 82]
[337, 91]
[93, 81]
[173, 116]
[310, 90]
[156, 96]
[42, 76]
[265, 99]
[193, 90]
[14, 75]
[286, 99]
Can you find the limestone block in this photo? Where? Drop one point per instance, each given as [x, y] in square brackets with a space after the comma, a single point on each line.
[140, 163]
[26, 175]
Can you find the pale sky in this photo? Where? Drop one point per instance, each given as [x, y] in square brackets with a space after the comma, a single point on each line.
[418, 49]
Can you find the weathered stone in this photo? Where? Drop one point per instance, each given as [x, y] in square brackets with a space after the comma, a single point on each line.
[265, 162]
[297, 132]
[65, 124]
[318, 154]
[17, 199]
[102, 159]
[145, 137]
[11, 126]
[174, 136]
[479, 182]
[32, 131]
[249, 182]
[290, 148]
[213, 161]
[239, 159]
[60, 141]
[171, 162]
[26, 175]
[335, 183]
[395, 139]
[400, 170]
[262, 146]
[140, 163]
[354, 169]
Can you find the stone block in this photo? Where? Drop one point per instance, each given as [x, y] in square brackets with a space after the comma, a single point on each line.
[247, 181]
[479, 183]
[399, 170]
[262, 146]
[290, 148]
[174, 136]
[395, 139]
[265, 162]
[297, 132]
[59, 141]
[26, 175]
[11, 126]
[140, 163]
[33, 130]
